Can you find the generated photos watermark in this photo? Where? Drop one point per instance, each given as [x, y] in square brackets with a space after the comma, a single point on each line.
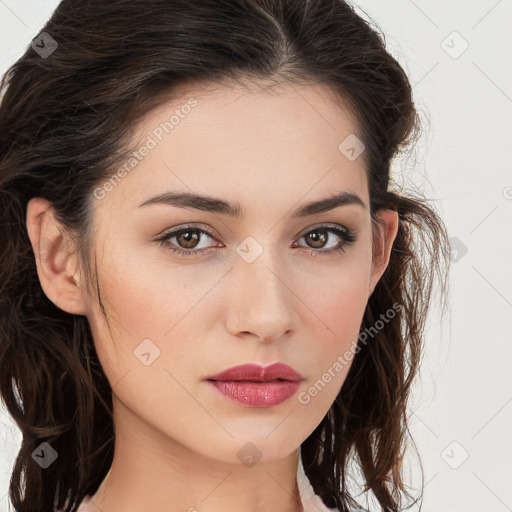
[344, 359]
[158, 133]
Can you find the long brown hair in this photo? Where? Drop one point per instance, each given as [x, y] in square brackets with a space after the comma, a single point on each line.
[66, 117]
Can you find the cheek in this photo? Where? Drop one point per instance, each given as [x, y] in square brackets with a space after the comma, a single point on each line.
[152, 341]
[148, 302]
[337, 293]
[343, 305]
[338, 301]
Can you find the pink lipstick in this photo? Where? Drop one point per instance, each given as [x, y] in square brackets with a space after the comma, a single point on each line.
[253, 385]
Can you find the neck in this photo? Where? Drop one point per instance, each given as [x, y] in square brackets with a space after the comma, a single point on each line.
[150, 471]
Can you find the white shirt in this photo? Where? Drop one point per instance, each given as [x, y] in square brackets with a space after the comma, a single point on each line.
[310, 501]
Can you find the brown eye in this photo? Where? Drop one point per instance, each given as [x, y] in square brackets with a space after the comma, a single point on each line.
[316, 240]
[320, 239]
[190, 238]
[187, 240]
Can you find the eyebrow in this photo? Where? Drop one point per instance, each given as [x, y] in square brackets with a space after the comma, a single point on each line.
[215, 205]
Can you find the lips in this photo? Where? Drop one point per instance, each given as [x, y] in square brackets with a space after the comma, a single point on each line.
[253, 385]
[257, 373]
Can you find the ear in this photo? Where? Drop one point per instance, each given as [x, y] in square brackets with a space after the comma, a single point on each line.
[56, 263]
[384, 234]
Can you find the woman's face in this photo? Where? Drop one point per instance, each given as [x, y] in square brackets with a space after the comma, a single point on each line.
[279, 282]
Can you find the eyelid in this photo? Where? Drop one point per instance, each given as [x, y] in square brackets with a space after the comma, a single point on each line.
[215, 234]
[199, 227]
[326, 225]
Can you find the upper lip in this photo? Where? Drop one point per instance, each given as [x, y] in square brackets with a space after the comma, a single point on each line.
[256, 372]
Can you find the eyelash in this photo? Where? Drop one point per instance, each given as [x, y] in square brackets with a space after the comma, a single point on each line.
[347, 236]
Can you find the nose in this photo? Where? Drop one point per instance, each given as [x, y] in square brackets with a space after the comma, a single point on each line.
[261, 300]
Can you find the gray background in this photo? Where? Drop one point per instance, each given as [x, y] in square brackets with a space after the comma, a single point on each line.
[462, 402]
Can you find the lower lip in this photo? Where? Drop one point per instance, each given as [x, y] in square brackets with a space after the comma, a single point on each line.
[256, 394]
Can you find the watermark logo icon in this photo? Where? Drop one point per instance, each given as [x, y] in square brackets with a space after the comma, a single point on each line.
[44, 44]
[454, 45]
[457, 249]
[455, 455]
[351, 147]
[146, 352]
[249, 249]
[249, 454]
[44, 455]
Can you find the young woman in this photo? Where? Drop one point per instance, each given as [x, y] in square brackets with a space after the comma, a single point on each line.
[212, 297]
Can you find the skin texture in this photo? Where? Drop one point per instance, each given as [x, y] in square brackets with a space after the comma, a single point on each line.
[177, 440]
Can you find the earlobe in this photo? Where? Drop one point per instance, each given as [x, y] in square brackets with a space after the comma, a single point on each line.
[56, 263]
[385, 234]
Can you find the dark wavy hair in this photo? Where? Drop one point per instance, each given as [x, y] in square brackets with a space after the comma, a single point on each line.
[66, 121]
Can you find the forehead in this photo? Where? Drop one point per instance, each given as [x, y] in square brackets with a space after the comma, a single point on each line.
[246, 144]
[266, 109]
